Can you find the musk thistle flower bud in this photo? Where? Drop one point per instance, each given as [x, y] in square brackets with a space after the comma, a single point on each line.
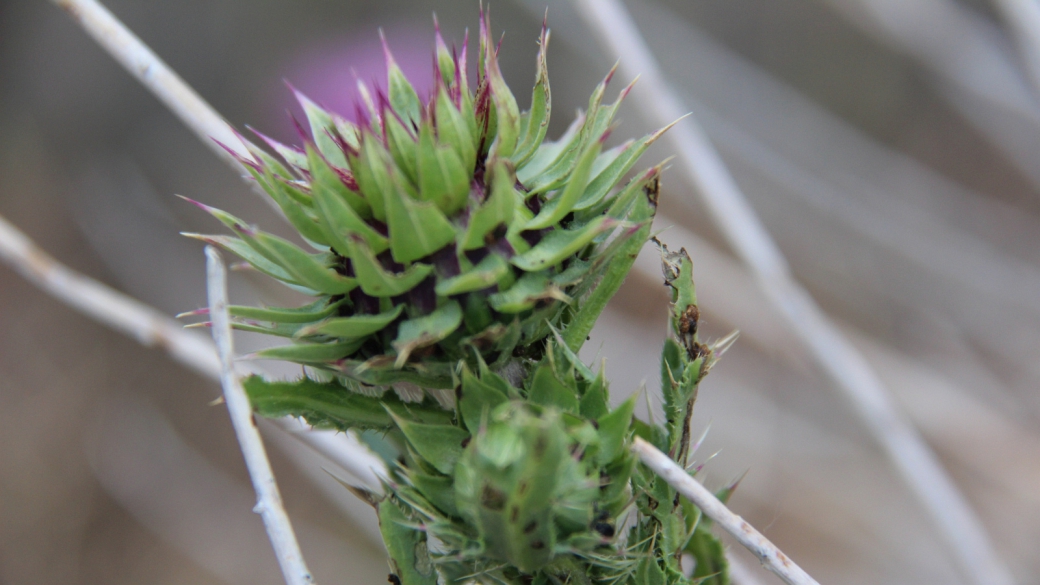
[442, 228]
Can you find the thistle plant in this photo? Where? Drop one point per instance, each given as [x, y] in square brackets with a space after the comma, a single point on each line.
[460, 259]
[444, 228]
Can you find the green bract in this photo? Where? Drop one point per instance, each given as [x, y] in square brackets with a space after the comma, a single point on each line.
[442, 228]
[532, 483]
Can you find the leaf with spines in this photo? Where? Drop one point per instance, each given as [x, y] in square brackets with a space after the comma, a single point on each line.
[535, 122]
[426, 330]
[323, 130]
[448, 228]
[329, 405]
[354, 327]
[376, 280]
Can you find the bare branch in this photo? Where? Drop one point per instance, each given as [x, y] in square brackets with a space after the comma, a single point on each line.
[141, 62]
[152, 328]
[846, 367]
[269, 500]
[120, 312]
[153, 73]
[752, 539]
[1023, 16]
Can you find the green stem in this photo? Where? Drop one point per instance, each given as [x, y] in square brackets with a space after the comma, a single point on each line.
[574, 574]
[577, 331]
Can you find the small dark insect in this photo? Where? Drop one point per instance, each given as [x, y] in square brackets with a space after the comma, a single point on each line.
[688, 323]
[393, 579]
[604, 528]
[653, 190]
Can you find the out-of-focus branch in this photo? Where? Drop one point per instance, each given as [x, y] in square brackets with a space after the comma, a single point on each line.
[834, 354]
[752, 539]
[141, 62]
[153, 73]
[1023, 17]
[968, 54]
[269, 500]
[101, 303]
[152, 328]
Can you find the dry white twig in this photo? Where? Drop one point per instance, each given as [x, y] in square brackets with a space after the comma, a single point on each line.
[153, 73]
[152, 328]
[120, 312]
[269, 500]
[835, 355]
[752, 539]
[1023, 16]
[139, 60]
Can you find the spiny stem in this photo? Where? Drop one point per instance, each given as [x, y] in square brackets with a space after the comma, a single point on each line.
[269, 500]
[847, 368]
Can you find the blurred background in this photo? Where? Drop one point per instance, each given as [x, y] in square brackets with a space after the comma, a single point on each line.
[891, 147]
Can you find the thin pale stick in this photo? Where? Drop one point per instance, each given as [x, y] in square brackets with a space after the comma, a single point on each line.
[846, 367]
[120, 312]
[152, 328]
[141, 62]
[752, 539]
[269, 500]
[153, 73]
[1023, 16]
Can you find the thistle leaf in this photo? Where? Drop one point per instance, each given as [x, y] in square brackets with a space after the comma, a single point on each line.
[527, 291]
[409, 555]
[546, 390]
[614, 431]
[424, 331]
[402, 146]
[536, 120]
[506, 111]
[609, 176]
[246, 252]
[443, 179]
[562, 204]
[438, 489]
[325, 179]
[560, 244]
[477, 400]
[370, 168]
[402, 95]
[327, 405]
[341, 221]
[377, 281]
[310, 353]
[323, 128]
[439, 445]
[621, 261]
[307, 270]
[486, 273]
[355, 327]
[454, 130]
[307, 314]
[496, 210]
[293, 203]
[417, 228]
